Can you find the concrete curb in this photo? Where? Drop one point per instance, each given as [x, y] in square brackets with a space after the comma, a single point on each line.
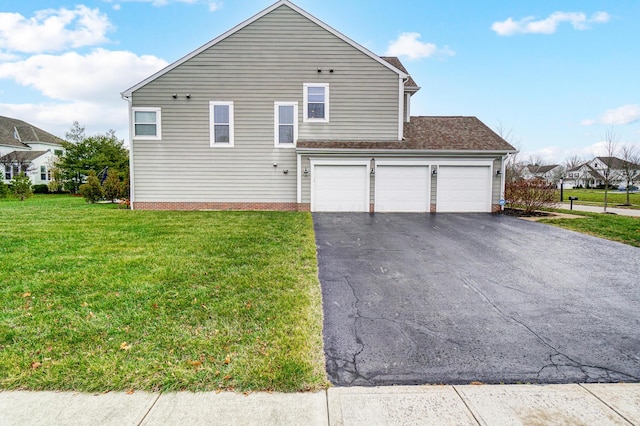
[603, 404]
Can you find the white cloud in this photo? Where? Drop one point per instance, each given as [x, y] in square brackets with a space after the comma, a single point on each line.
[549, 25]
[53, 30]
[549, 154]
[78, 87]
[74, 77]
[213, 5]
[626, 114]
[57, 118]
[407, 45]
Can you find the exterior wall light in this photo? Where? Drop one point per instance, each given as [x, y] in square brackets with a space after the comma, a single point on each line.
[306, 172]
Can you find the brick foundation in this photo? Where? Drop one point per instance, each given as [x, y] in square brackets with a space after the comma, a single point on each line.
[181, 205]
[496, 208]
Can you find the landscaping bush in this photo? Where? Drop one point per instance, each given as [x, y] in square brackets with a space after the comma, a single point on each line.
[125, 190]
[21, 186]
[41, 188]
[112, 186]
[91, 191]
[4, 190]
[531, 195]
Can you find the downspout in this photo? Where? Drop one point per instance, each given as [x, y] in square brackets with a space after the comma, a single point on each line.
[400, 108]
[299, 179]
[503, 178]
[131, 173]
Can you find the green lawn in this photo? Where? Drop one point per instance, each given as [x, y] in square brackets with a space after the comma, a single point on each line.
[624, 229]
[94, 298]
[596, 196]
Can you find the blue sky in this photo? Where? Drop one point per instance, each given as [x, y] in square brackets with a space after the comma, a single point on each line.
[556, 75]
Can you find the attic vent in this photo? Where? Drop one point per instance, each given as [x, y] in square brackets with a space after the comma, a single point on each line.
[16, 135]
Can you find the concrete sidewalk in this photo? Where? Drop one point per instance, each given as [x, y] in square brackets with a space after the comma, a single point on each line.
[602, 404]
[600, 209]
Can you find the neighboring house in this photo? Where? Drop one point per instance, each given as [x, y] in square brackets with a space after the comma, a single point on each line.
[283, 112]
[26, 148]
[550, 173]
[582, 176]
[615, 169]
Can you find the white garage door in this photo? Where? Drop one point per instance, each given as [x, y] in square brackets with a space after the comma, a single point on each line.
[340, 188]
[464, 189]
[402, 188]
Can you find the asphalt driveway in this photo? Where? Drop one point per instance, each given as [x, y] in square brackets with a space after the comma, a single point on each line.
[458, 298]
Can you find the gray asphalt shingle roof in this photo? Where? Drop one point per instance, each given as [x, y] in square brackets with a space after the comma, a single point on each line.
[22, 156]
[26, 132]
[430, 133]
[395, 61]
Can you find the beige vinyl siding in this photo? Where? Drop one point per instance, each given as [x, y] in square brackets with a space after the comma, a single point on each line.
[434, 187]
[496, 182]
[305, 187]
[267, 61]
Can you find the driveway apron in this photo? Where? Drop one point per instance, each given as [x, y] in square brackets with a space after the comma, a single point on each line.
[460, 298]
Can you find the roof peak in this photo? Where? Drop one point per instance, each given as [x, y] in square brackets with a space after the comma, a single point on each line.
[128, 92]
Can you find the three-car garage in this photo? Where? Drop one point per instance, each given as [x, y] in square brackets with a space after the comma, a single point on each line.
[401, 186]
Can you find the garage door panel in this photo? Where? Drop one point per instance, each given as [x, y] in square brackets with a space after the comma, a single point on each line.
[340, 188]
[464, 189]
[402, 188]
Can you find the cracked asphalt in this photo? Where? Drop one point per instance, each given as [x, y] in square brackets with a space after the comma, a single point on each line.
[458, 298]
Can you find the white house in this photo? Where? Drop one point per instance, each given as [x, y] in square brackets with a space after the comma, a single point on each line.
[26, 148]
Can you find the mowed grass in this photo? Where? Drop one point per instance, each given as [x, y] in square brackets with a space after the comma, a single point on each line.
[95, 299]
[596, 196]
[624, 229]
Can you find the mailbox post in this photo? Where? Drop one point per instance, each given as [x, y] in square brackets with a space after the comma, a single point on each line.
[572, 199]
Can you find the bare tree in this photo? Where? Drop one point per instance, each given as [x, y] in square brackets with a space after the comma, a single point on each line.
[573, 161]
[536, 160]
[611, 147]
[513, 167]
[630, 167]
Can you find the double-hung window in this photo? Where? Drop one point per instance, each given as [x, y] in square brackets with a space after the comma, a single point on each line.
[146, 123]
[286, 124]
[7, 172]
[316, 102]
[221, 123]
[43, 173]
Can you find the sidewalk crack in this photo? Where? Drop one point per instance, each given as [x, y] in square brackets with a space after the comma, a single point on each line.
[605, 403]
[150, 408]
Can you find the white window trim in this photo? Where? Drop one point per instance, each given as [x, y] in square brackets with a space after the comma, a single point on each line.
[212, 135]
[158, 135]
[276, 124]
[305, 118]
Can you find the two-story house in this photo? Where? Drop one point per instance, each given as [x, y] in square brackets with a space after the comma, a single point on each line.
[616, 171]
[549, 173]
[283, 112]
[26, 148]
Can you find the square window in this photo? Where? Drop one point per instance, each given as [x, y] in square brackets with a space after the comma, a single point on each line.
[146, 123]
